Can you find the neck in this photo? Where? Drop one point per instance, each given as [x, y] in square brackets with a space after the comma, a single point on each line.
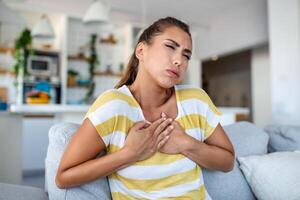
[148, 94]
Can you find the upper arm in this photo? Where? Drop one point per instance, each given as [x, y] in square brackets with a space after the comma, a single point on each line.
[85, 144]
[220, 139]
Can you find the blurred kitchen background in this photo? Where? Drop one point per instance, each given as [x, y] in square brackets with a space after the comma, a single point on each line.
[57, 56]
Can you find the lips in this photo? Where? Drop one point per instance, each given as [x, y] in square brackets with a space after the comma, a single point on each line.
[173, 73]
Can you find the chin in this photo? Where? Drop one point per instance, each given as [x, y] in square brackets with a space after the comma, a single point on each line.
[167, 83]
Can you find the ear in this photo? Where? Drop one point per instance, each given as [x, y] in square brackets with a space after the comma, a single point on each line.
[139, 51]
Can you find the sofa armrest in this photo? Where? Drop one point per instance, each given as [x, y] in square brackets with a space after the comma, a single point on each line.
[59, 137]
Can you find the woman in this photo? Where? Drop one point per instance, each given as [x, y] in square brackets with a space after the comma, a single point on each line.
[157, 134]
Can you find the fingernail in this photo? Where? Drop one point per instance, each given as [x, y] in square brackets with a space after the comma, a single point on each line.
[147, 122]
[170, 119]
[163, 114]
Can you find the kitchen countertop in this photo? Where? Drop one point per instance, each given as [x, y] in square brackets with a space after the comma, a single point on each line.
[239, 110]
[47, 109]
[56, 108]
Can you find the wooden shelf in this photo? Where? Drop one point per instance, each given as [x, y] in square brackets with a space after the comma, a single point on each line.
[6, 49]
[5, 71]
[79, 86]
[107, 74]
[78, 58]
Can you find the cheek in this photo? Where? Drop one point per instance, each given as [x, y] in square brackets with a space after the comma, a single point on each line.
[184, 67]
[158, 62]
[160, 54]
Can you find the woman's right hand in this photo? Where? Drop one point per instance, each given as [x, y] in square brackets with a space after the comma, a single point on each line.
[144, 139]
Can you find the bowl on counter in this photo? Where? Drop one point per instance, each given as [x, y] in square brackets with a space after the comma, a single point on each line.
[37, 100]
[3, 105]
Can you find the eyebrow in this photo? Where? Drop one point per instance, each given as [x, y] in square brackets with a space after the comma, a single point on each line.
[177, 45]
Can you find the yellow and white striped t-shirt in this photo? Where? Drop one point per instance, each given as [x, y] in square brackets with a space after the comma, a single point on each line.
[162, 176]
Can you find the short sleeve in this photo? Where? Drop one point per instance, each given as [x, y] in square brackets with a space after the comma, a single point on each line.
[101, 116]
[212, 116]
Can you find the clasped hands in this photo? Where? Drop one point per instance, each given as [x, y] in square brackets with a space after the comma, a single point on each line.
[164, 135]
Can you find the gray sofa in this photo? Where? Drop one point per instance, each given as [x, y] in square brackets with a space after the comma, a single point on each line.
[247, 139]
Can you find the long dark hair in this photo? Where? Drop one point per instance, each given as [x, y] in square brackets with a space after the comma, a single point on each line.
[157, 27]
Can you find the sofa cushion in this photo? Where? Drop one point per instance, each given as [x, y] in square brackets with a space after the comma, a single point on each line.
[59, 136]
[18, 192]
[273, 176]
[283, 137]
[247, 139]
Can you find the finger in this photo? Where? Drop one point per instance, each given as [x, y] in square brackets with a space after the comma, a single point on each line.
[162, 127]
[139, 125]
[163, 115]
[147, 124]
[175, 122]
[155, 124]
[163, 142]
[165, 133]
[176, 125]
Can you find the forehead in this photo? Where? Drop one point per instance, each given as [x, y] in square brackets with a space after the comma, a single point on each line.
[176, 34]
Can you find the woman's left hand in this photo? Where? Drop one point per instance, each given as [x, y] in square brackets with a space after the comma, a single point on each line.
[177, 140]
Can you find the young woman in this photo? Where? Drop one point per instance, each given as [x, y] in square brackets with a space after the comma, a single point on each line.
[157, 134]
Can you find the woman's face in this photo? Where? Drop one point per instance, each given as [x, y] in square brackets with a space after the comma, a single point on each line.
[166, 58]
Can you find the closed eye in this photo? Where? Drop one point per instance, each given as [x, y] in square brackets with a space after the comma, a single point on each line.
[187, 57]
[170, 46]
[173, 48]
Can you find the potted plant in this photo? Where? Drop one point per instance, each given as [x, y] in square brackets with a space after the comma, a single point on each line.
[72, 74]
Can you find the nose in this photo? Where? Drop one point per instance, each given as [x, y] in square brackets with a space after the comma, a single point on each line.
[177, 61]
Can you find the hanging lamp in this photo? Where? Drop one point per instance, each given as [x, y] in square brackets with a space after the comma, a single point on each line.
[97, 12]
[43, 28]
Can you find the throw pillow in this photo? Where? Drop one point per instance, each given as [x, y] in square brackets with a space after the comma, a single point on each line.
[247, 139]
[283, 138]
[273, 176]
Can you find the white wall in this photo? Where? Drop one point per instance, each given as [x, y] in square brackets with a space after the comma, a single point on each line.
[193, 73]
[244, 26]
[11, 24]
[284, 19]
[261, 86]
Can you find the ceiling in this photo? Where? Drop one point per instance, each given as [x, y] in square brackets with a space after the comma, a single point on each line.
[196, 12]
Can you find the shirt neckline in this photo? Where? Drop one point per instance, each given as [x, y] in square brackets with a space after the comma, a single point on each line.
[140, 108]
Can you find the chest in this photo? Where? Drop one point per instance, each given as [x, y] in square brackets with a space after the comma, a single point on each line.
[170, 108]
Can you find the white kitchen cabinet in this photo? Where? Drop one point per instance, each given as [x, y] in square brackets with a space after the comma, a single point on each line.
[35, 142]
[10, 148]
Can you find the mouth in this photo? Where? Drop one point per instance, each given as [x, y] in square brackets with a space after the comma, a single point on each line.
[173, 73]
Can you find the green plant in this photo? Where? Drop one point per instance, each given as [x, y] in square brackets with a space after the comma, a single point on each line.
[22, 50]
[72, 72]
[93, 61]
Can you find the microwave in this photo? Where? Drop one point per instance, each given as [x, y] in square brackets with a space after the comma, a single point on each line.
[44, 64]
